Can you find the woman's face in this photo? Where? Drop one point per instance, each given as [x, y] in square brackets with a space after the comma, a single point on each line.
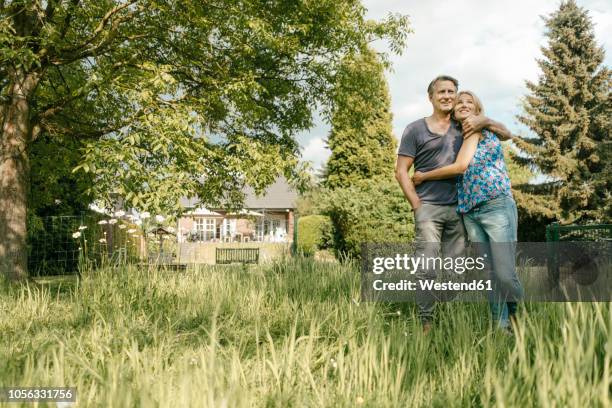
[465, 107]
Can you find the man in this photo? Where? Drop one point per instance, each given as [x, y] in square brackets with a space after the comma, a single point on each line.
[427, 144]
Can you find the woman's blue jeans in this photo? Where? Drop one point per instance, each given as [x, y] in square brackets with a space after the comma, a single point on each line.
[494, 224]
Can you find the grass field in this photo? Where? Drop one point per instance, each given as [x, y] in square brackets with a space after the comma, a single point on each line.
[290, 334]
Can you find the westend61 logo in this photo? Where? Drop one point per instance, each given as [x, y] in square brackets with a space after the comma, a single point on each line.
[403, 265]
[410, 264]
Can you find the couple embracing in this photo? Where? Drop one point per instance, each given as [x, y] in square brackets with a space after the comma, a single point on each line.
[460, 185]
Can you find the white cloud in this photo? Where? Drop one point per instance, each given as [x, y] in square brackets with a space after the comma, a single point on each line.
[490, 46]
[316, 151]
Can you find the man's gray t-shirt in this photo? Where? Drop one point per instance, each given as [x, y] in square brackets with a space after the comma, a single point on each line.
[431, 151]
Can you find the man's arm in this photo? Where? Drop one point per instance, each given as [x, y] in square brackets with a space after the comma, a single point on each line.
[402, 166]
[474, 124]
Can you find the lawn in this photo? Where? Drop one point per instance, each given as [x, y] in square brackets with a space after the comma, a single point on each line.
[292, 333]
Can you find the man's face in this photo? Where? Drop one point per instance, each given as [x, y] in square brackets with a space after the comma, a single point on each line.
[443, 97]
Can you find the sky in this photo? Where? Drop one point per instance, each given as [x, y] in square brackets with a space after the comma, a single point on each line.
[489, 46]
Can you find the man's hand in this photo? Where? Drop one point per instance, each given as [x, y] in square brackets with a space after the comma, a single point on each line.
[403, 164]
[474, 124]
[417, 178]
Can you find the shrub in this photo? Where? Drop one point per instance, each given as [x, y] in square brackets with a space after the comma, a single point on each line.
[314, 232]
[372, 210]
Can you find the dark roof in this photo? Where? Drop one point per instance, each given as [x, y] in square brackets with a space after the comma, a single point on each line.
[279, 195]
[161, 231]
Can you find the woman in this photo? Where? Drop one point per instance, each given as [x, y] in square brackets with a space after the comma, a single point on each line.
[488, 208]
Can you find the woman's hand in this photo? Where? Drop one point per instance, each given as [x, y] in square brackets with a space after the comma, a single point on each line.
[418, 177]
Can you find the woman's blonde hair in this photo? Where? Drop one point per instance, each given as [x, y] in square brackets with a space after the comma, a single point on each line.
[477, 103]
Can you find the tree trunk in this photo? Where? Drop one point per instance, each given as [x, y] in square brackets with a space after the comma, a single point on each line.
[14, 176]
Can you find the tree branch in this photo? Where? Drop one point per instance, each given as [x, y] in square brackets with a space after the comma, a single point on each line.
[101, 25]
[68, 18]
[50, 10]
[50, 110]
[68, 56]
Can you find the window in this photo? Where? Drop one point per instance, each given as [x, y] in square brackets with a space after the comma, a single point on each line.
[259, 230]
[270, 229]
[200, 223]
[209, 231]
[228, 228]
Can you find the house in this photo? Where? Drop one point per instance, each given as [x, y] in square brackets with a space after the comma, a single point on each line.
[267, 218]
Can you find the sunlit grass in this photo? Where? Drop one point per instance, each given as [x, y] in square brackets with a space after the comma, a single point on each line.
[289, 334]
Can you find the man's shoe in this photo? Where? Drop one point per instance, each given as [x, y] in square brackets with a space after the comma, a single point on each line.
[507, 331]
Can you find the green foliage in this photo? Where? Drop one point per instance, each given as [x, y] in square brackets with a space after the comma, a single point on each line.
[535, 212]
[569, 109]
[309, 203]
[54, 188]
[173, 98]
[314, 232]
[518, 174]
[361, 138]
[372, 210]
[363, 204]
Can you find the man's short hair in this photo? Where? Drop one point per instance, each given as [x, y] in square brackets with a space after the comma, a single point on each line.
[430, 88]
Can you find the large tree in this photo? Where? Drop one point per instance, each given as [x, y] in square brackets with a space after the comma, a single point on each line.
[361, 138]
[167, 97]
[569, 108]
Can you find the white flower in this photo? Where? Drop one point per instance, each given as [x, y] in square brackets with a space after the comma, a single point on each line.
[138, 222]
[76, 235]
[131, 231]
[159, 218]
[359, 400]
[102, 240]
[82, 227]
[119, 213]
[122, 226]
[145, 215]
[399, 313]
[112, 221]
[57, 201]
[333, 362]
[171, 229]
[102, 222]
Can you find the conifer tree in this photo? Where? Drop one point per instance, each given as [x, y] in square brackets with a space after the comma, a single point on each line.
[569, 109]
[361, 138]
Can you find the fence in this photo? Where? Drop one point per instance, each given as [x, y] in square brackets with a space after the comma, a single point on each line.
[61, 244]
[556, 233]
[240, 255]
[594, 232]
